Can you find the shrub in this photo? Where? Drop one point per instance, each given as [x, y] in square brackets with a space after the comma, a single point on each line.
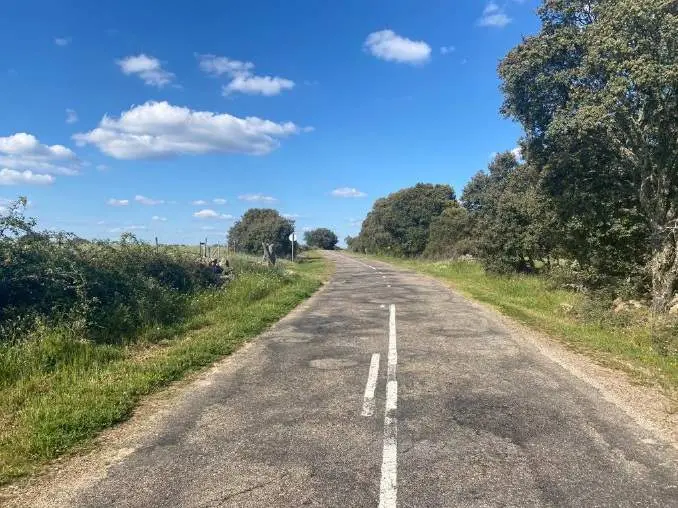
[105, 291]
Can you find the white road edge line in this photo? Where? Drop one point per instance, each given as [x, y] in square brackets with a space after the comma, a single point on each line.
[388, 490]
[371, 386]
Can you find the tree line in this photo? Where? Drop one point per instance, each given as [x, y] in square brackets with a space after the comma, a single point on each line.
[595, 189]
[260, 226]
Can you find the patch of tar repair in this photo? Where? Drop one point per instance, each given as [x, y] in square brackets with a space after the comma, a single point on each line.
[332, 363]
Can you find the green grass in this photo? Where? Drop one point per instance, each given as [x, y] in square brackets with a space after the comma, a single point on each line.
[58, 391]
[635, 343]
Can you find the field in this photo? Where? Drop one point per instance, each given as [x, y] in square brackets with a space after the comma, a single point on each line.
[634, 342]
[59, 388]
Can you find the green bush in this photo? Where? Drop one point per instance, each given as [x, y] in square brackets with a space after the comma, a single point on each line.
[105, 291]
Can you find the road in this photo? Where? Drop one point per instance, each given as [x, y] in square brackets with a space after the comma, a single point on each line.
[454, 411]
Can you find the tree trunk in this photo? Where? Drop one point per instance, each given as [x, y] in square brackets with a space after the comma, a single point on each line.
[664, 271]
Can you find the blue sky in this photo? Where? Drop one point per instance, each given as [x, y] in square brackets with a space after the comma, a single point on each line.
[139, 115]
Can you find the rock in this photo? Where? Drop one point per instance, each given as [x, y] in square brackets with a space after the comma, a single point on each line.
[673, 310]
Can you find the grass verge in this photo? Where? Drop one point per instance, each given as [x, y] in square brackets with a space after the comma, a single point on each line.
[634, 343]
[58, 391]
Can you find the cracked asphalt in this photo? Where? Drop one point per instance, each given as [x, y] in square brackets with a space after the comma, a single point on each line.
[482, 418]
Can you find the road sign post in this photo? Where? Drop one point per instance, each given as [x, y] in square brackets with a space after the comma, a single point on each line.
[293, 238]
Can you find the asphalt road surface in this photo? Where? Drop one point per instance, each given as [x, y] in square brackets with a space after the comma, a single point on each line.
[389, 390]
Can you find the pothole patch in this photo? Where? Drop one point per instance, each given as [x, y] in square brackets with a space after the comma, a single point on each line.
[332, 363]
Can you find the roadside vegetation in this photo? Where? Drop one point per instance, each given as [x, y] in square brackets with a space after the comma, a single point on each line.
[575, 231]
[262, 225]
[88, 328]
[321, 238]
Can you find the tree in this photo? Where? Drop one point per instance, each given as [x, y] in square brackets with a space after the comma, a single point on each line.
[259, 225]
[451, 234]
[321, 238]
[605, 73]
[513, 224]
[399, 224]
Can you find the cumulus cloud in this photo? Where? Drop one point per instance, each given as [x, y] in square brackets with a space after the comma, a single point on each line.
[348, 192]
[257, 197]
[517, 153]
[444, 50]
[71, 116]
[23, 153]
[148, 201]
[494, 16]
[219, 201]
[117, 202]
[27, 177]
[218, 65]
[389, 46]
[62, 41]
[262, 85]
[160, 130]
[199, 202]
[211, 214]
[243, 80]
[158, 218]
[148, 68]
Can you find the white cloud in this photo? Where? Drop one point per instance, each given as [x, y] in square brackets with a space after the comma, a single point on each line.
[199, 202]
[211, 214]
[348, 192]
[219, 201]
[444, 50]
[389, 46]
[218, 65]
[494, 16]
[159, 129]
[262, 85]
[207, 228]
[257, 197]
[118, 202]
[102, 167]
[27, 177]
[62, 41]
[291, 216]
[517, 153]
[159, 219]
[71, 116]
[23, 152]
[148, 201]
[148, 68]
[243, 80]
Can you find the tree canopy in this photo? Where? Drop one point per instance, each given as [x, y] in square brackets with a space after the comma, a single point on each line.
[259, 225]
[399, 224]
[321, 238]
[595, 91]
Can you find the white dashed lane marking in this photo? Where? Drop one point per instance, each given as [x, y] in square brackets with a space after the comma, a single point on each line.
[388, 489]
[371, 386]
